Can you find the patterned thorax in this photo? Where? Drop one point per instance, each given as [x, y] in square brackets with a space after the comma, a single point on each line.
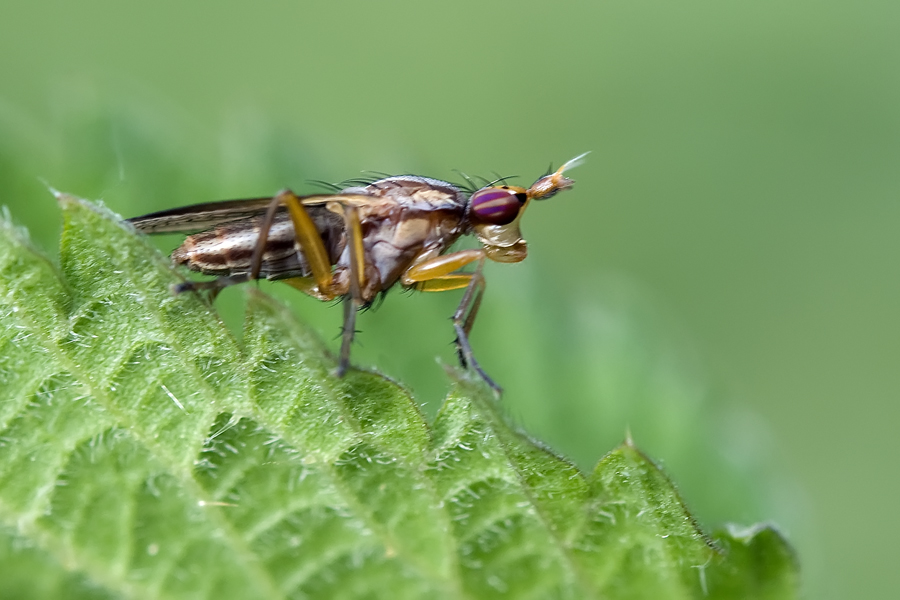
[408, 215]
[412, 190]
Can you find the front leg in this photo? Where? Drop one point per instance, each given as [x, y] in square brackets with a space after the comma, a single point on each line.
[436, 274]
[463, 319]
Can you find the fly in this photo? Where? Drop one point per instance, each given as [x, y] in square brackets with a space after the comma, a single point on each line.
[360, 241]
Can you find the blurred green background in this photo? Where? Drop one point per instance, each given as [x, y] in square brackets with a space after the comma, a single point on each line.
[723, 280]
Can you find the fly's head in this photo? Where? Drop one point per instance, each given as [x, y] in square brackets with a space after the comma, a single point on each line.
[495, 212]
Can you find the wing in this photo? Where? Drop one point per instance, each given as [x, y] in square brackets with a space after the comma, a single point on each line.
[199, 217]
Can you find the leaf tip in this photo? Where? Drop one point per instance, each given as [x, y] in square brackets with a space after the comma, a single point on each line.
[10, 229]
[629, 440]
[66, 200]
[56, 193]
[469, 381]
[747, 533]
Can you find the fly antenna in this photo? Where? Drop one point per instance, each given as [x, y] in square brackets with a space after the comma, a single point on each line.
[548, 185]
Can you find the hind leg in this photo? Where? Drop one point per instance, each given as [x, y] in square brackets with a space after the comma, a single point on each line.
[357, 281]
[307, 236]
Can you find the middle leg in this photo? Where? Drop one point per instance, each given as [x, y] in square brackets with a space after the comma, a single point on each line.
[352, 303]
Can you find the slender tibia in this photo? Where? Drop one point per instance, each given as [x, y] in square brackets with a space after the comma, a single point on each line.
[357, 282]
[463, 319]
[347, 332]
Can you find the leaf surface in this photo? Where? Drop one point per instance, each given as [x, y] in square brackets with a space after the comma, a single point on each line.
[145, 453]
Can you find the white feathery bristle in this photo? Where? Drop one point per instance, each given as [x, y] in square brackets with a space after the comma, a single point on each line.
[571, 164]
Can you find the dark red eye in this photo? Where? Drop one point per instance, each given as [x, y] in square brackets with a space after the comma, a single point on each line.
[496, 205]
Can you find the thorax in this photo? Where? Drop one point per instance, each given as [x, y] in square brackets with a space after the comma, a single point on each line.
[407, 215]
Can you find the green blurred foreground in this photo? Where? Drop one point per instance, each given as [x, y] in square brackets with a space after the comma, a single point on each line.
[147, 451]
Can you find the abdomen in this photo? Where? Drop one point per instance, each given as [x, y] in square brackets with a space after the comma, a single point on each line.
[228, 249]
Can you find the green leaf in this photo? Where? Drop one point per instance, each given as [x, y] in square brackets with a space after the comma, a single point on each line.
[144, 452]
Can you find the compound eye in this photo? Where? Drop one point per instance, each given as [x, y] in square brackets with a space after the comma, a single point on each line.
[496, 205]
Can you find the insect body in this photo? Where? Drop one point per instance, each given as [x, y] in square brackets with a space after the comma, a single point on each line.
[359, 242]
